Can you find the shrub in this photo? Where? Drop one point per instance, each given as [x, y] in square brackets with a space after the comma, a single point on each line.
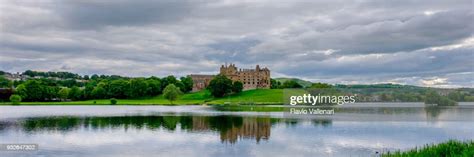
[220, 86]
[113, 101]
[171, 92]
[15, 99]
[237, 87]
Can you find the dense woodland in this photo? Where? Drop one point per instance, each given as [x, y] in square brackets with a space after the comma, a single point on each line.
[75, 87]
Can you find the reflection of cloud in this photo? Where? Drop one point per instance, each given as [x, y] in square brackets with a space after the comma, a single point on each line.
[360, 138]
[117, 142]
[121, 137]
[303, 139]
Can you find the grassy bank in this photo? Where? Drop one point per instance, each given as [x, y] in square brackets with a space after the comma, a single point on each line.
[254, 108]
[255, 97]
[449, 148]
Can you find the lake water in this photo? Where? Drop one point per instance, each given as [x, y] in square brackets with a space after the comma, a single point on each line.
[354, 130]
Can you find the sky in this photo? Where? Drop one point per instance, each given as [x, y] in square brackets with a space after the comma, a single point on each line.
[425, 43]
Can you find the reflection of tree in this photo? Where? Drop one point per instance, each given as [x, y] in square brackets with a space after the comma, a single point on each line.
[231, 128]
[170, 122]
[257, 128]
[432, 112]
[322, 122]
[50, 123]
[290, 122]
[224, 123]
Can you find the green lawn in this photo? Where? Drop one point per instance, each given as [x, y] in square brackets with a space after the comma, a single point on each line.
[259, 96]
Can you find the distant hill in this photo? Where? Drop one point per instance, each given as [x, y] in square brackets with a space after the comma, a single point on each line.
[303, 83]
[390, 85]
[383, 85]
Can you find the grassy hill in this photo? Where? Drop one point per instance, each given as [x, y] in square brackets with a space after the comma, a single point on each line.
[303, 83]
[259, 96]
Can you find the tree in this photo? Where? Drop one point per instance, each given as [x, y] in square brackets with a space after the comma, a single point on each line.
[34, 90]
[188, 84]
[89, 86]
[220, 86]
[432, 97]
[51, 92]
[456, 96]
[154, 86]
[275, 84]
[15, 99]
[21, 91]
[138, 88]
[102, 91]
[63, 93]
[468, 98]
[168, 80]
[29, 73]
[291, 84]
[5, 82]
[320, 85]
[171, 92]
[118, 88]
[237, 87]
[445, 101]
[98, 92]
[180, 85]
[69, 83]
[75, 93]
[94, 77]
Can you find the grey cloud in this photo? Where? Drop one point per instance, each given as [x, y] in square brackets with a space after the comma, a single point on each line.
[403, 67]
[423, 62]
[93, 14]
[232, 51]
[329, 41]
[418, 32]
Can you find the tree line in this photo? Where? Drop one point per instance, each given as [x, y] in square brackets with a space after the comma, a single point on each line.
[61, 74]
[98, 88]
[108, 87]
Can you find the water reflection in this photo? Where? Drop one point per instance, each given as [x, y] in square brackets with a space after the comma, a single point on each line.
[135, 131]
[230, 128]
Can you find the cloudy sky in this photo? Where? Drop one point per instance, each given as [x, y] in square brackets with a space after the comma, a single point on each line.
[428, 43]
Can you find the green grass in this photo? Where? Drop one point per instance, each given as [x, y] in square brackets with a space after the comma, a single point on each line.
[252, 108]
[449, 148]
[252, 97]
[259, 96]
